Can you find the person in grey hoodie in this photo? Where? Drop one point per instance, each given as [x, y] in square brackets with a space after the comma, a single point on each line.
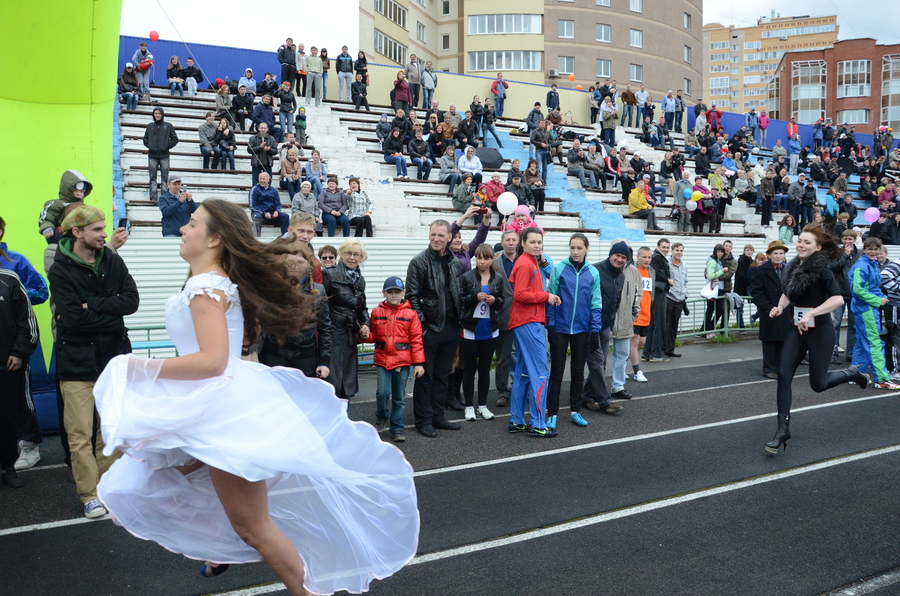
[383, 128]
[159, 138]
[207, 133]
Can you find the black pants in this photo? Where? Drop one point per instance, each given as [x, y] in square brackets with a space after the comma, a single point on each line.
[819, 342]
[504, 356]
[362, 224]
[300, 87]
[430, 389]
[414, 93]
[362, 101]
[13, 387]
[674, 309]
[559, 344]
[714, 310]
[477, 356]
[656, 335]
[539, 196]
[771, 356]
[288, 73]
[595, 386]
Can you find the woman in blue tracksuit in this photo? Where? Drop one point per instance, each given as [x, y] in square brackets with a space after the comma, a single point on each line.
[574, 324]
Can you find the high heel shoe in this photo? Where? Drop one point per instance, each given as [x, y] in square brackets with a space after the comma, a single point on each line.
[781, 435]
[209, 569]
[854, 375]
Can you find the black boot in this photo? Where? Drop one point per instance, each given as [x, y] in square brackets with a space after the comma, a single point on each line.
[781, 435]
[855, 376]
[454, 400]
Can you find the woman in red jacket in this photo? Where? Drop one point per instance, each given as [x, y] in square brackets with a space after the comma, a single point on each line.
[527, 319]
[402, 96]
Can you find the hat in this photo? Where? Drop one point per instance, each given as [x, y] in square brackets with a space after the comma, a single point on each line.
[776, 245]
[801, 176]
[81, 216]
[620, 248]
[517, 175]
[306, 183]
[249, 69]
[522, 210]
[220, 82]
[174, 178]
[129, 65]
[646, 176]
[393, 283]
[244, 86]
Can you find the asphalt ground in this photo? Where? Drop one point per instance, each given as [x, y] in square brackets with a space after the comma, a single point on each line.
[674, 495]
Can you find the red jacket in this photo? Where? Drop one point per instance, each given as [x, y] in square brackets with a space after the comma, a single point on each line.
[529, 296]
[397, 334]
[792, 129]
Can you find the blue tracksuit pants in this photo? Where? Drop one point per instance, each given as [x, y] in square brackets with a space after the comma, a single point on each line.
[531, 377]
[868, 353]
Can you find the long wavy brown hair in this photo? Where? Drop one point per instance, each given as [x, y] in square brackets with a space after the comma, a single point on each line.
[823, 239]
[269, 297]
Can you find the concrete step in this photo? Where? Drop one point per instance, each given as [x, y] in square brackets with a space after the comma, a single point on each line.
[550, 221]
[428, 202]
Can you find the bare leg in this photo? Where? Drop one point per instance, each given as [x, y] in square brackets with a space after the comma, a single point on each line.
[187, 469]
[634, 357]
[246, 505]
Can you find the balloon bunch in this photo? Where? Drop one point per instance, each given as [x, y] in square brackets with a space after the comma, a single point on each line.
[693, 198]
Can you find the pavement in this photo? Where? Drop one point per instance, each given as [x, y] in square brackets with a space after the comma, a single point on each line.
[674, 495]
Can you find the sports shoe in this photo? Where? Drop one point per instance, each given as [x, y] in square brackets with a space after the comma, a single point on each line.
[502, 401]
[517, 428]
[470, 413]
[888, 385]
[380, 423]
[578, 420]
[840, 349]
[94, 508]
[895, 377]
[639, 377]
[542, 433]
[551, 422]
[484, 413]
[645, 358]
[29, 455]
[398, 436]
[836, 359]
[710, 336]
[11, 479]
[659, 359]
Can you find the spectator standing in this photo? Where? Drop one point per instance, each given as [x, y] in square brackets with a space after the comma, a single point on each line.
[334, 205]
[129, 87]
[763, 129]
[429, 84]
[765, 288]
[264, 114]
[751, 121]
[287, 57]
[397, 334]
[402, 96]
[265, 205]
[654, 349]
[176, 207]
[742, 280]
[535, 117]
[539, 148]
[92, 291]
[499, 90]
[676, 298]
[262, 148]
[715, 270]
[300, 79]
[159, 139]
[193, 76]
[343, 66]
[610, 119]
[143, 61]
[225, 141]
[668, 108]
[679, 111]
[361, 66]
[505, 343]
[841, 268]
[866, 304]
[207, 134]
[346, 290]
[314, 72]
[629, 101]
[641, 97]
[794, 152]
[552, 98]
[433, 289]
[287, 105]
[413, 74]
[326, 66]
[487, 122]
[359, 210]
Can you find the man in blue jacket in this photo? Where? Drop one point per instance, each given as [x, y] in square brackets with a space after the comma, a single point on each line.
[263, 112]
[176, 206]
[265, 206]
[794, 153]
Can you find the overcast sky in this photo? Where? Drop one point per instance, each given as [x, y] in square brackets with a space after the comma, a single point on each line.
[855, 19]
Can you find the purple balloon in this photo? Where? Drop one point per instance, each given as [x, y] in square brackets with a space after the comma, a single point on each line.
[871, 214]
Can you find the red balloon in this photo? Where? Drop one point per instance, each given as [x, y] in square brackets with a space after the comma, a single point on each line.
[154, 36]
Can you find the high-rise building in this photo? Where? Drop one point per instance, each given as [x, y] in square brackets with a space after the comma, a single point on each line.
[654, 42]
[856, 82]
[738, 62]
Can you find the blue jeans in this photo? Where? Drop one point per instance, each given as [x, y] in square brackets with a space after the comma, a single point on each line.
[131, 100]
[543, 158]
[640, 116]
[227, 155]
[332, 222]
[316, 184]
[325, 85]
[293, 186]
[609, 136]
[427, 94]
[485, 128]
[423, 167]
[586, 177]
[498, 106]
[345, 79]
[621, 351]
[173, 87]
[283, 220]
[207, 151]
[399, 161]
[286, 119]
[453, 179]
[670, 120]
[837, 316]
[531, 149]
[659, 191]
[390, 394]
[628, 115]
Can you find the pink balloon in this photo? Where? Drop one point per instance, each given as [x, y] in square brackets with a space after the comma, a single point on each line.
[871, 214]
[154, 36]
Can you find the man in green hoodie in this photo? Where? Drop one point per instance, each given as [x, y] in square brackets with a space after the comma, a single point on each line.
[93, 291]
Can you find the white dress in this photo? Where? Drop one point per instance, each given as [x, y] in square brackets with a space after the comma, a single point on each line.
[344, 498]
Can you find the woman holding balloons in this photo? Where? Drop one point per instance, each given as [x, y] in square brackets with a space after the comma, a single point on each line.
[700, 213]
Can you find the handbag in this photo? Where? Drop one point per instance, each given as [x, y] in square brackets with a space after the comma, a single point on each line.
[676, 212]
[708, 204]
[710, 291]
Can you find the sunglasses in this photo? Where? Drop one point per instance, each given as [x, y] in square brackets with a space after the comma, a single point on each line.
[327, 258]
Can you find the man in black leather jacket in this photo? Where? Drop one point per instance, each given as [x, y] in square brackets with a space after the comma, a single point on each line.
[432, 288]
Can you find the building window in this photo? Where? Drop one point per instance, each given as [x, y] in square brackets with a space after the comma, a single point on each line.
[734, 70]
[720, 56]
[687, 20]
[734, 47]
[717, 91]
[808, 84]
[566, 29]
[507, 60]
[492, 24]
[393, 11]
[752, 45]
[854, 78]
[420, 31]
[752, 80]
[445, 42]
[718, 82]
[637, 5]
[773, 98]
[853, 116]
[390, 48]
[687, 54]
[719, 45]
[445, 8]
[756, 103]
[422, 2]
[637, 38]
[602, 2]
[686, 86]
[788, 32]
[566, 64]
[719, 68]
[735, 59]
[603, 68]
[603, 33]
[637, 73]
[890, 91]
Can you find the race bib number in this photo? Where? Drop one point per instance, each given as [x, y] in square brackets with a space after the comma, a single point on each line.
[482, 310]
[799, 313]
[647, 284]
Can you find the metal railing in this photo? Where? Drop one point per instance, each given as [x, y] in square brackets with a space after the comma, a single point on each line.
[693, 327]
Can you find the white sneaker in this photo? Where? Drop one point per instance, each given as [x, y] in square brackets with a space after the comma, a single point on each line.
[29, 455]
[94, 508]
[639, 377]
[840, 349]
[895, 377]
[485, 413]
[470, 413]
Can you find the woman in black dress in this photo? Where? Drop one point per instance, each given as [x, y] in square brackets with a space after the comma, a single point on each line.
[809, 293]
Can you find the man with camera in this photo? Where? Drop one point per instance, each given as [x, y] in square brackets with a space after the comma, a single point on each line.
[176, 205]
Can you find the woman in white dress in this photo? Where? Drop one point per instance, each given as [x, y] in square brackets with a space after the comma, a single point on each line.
[232, 461]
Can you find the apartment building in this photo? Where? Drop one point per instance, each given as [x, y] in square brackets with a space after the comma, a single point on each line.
[739, 62]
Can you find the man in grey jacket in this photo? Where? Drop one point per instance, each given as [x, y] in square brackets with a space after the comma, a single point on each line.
[207, 133]
[413, 72]
[676, 299]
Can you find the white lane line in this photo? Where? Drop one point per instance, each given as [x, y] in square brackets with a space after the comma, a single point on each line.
[663, 433]
[49, 525]
[48, 467]
[255, 591]
[867, 587]
[646, 507]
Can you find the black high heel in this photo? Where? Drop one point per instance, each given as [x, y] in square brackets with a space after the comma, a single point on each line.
[781, 435]
[210, 570]
[854, 375]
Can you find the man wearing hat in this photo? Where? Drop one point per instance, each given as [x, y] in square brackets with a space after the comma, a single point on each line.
[176, 207]
[159, 139]
[765, 288]
[93, 291]
[250, 83]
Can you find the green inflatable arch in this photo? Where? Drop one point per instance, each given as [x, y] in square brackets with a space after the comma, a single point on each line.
[59, 62]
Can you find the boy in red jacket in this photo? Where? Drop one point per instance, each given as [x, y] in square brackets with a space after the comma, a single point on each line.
[397, 334]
